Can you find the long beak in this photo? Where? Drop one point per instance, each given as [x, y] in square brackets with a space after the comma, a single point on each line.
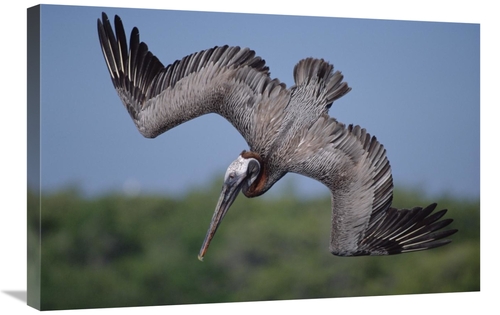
[229, 192]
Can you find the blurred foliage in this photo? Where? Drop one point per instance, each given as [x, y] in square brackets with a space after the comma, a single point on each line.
[117, 250]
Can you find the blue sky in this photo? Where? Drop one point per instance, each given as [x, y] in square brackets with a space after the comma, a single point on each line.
[415, 85]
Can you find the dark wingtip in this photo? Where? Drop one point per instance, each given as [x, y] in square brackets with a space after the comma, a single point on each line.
[403, 231]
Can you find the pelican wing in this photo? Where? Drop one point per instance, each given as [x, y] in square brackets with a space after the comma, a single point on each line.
[230, 81]
[354, 166]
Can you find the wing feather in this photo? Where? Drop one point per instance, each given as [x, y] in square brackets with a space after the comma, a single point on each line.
[353, 164]
[230, 81]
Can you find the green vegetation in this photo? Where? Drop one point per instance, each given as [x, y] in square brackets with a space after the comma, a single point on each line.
[116, 250]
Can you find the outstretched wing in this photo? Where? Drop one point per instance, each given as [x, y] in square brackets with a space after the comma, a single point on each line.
[354, 166]
[230, 81]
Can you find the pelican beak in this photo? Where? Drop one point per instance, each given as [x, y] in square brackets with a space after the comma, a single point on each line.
[230, 189]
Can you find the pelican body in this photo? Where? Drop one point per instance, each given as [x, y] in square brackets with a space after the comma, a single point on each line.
[287, 130]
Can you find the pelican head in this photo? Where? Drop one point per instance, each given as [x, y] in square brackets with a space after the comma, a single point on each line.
[240, 175]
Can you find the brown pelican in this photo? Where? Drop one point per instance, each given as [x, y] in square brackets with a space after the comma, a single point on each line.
[287, 130]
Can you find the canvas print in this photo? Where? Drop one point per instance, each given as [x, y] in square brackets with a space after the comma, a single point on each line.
[182, 157]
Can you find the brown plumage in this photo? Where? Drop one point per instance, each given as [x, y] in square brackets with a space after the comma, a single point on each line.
[287, 130]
